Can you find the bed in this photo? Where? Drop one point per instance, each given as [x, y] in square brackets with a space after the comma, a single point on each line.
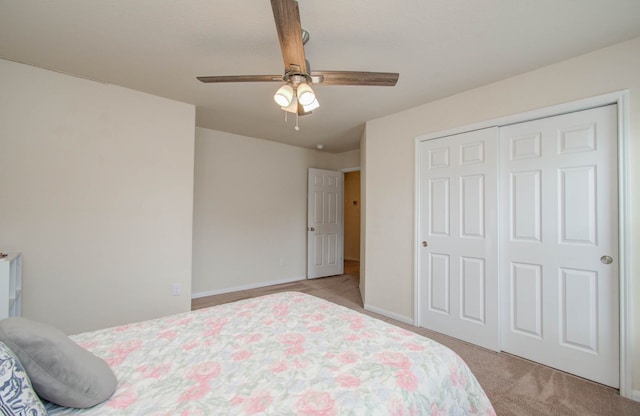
[281, 354]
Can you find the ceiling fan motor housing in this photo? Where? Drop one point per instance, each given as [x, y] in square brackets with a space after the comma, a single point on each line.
[296, 78]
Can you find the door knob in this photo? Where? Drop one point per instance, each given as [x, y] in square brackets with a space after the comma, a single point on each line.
[606, 259]
[312, 229]
[424, 244]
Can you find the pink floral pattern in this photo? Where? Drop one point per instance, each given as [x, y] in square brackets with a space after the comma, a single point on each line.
[286, 353]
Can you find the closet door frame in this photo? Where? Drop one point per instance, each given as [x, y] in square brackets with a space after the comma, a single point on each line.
[621, 98]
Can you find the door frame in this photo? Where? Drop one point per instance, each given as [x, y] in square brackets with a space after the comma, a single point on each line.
[621, 98]
[345, 171]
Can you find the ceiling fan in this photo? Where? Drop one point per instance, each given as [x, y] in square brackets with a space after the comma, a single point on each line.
[296, 95]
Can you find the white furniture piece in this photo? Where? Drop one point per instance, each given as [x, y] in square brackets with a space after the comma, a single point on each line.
[10, 285]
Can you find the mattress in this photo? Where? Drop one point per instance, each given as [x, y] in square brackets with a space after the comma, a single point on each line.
[281, 354]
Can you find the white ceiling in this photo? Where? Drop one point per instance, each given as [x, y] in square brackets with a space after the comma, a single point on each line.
[439, 47]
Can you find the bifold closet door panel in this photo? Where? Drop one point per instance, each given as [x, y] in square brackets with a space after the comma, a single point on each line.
[559, 242]
[458, 252]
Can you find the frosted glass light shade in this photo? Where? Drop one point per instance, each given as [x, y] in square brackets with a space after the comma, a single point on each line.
[305, 94]
[284, 95]
[292, 107]
[315, 104]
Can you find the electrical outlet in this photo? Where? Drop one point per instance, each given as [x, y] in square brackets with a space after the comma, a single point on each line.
[176, 289]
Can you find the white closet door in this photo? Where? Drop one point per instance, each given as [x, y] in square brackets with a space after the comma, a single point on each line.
[560, 242]
[458, 260]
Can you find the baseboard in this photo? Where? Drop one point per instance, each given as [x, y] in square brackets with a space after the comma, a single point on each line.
[246, 287]
[635, 395]
[388, 314]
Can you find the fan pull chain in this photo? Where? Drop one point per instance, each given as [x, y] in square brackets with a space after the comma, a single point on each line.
[286, 117]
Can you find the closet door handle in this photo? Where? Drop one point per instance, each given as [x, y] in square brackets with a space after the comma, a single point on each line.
[424, 244]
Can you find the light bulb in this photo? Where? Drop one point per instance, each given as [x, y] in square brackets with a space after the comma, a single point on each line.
[305, 94]
[284, 95]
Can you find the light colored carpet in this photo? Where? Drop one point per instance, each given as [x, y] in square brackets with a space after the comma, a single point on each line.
[515, 386]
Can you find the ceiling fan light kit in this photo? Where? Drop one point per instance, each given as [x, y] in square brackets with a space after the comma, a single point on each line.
[288, 97]
[296, 95]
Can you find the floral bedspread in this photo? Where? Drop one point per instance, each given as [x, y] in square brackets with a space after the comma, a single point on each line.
[281, 354]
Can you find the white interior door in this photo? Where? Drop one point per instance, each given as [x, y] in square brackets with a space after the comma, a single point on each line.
[458, 257]
[325, 229]
[560, 242]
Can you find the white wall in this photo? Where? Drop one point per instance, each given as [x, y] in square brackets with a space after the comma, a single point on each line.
[250, 211]
[97, 192]
[389, 158]
[346, 160]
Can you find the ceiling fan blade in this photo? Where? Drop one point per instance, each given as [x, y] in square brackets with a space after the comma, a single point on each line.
[356, 78]
[241, 78]
[287, 17]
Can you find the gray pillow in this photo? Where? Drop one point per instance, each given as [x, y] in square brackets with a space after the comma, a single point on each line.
[60, 370]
